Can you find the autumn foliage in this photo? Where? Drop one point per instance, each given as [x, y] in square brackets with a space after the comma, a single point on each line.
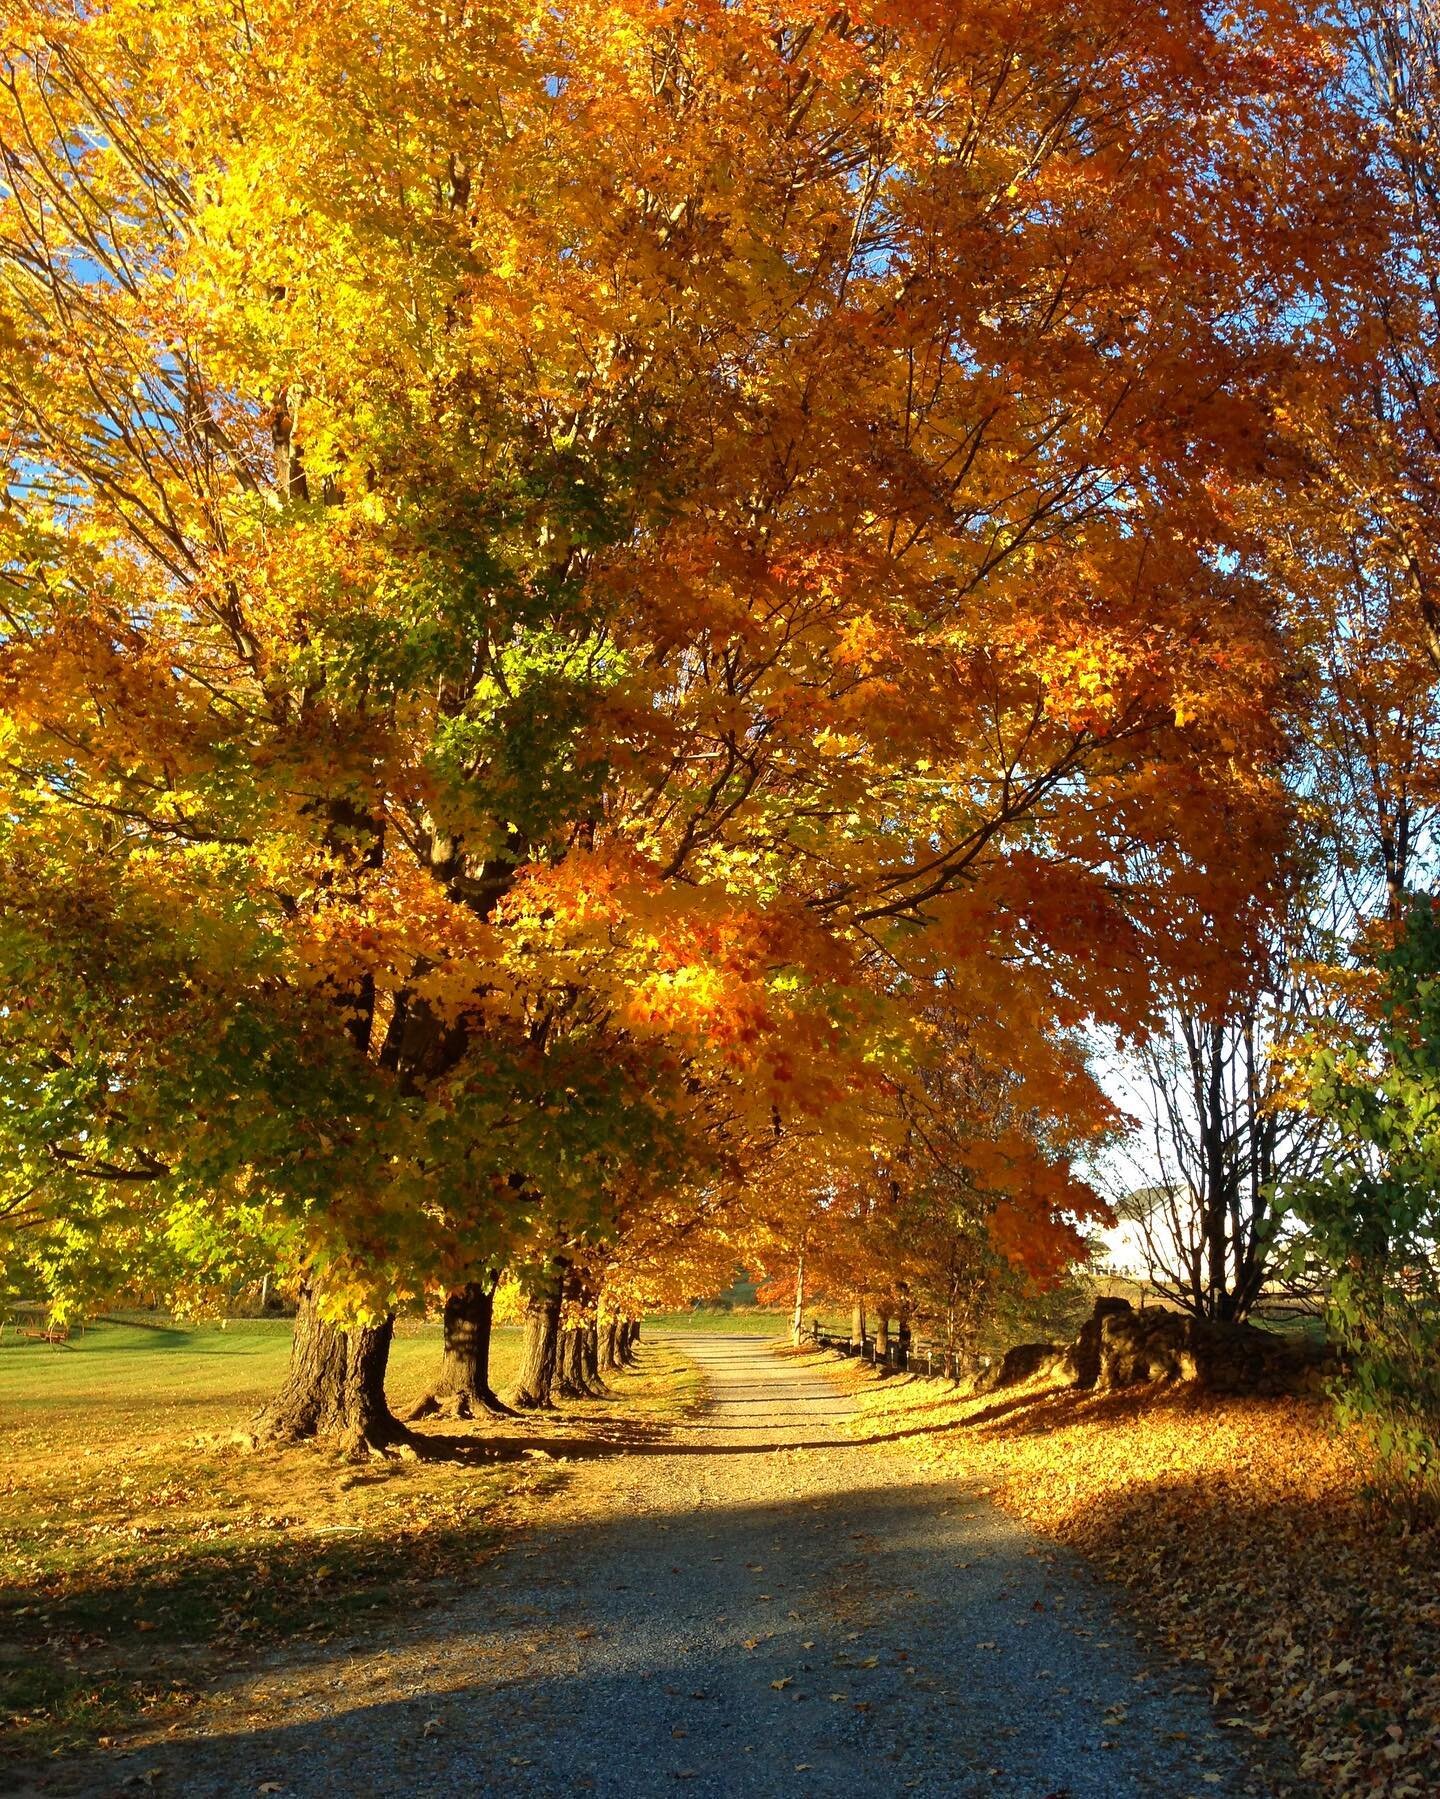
[597, 605]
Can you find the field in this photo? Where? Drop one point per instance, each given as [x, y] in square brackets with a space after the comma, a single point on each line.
[742, 1321]
[160, 1376]
[132, 1522]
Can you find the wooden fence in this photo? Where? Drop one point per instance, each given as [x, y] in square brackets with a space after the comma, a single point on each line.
[902, 1354]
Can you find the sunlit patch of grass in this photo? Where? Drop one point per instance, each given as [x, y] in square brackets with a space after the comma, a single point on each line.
[144, 1548]
[744, 1321]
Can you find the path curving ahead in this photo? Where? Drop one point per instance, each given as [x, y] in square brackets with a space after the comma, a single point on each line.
[757, 1605]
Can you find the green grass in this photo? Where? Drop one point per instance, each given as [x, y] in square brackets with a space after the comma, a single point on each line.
[143, 1548]
[161, 1375]
[742, 1321]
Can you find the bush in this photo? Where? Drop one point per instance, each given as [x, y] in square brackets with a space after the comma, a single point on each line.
[1374, 1216]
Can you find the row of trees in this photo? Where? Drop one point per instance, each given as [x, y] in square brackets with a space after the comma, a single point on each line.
[1284, 1124]
[619, 628]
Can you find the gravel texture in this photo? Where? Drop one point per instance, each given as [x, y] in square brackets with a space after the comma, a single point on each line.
[757, 1604]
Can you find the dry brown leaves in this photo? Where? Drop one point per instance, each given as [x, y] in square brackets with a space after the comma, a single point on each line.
[1240, 1530]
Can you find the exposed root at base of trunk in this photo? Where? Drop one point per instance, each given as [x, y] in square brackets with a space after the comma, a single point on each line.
[379, 1440]
[532, 1402]
[466, 1404]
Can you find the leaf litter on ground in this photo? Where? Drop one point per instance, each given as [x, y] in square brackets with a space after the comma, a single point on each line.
[1242, 1533]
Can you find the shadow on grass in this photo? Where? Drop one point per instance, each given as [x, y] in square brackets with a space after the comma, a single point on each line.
[1054, 1406]
[95, 1650]
[625, 1653]
[790, 1435]
[151, 1334]
[125, 1617]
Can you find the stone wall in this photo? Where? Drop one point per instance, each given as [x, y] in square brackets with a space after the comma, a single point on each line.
[1120, 1347]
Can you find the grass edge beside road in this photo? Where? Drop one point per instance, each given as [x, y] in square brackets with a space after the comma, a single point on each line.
[143, 1560]
[1246, 1545]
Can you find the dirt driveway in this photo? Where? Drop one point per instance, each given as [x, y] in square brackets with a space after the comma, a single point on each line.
[754, 1604]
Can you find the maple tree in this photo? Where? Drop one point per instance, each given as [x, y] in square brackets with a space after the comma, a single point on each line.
[563, 574]
[1351, 552]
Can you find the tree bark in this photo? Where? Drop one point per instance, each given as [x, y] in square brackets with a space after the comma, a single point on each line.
[463, 1385]
[797, 1321]
[629, 1336]
[570, 1366]
[610, 1345]
[540, 1346]
[857, 1326]
[590, 1358]
[334, 1388]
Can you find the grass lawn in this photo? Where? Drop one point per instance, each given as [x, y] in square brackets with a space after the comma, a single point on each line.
[743, 1321]
[141, 1547]
[151, 1376]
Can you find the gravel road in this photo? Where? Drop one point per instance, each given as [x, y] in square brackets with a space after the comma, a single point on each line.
[756, 1605]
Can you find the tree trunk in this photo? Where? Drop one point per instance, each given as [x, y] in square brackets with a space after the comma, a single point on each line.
[570, 1366]
[540, 1347]
[629, 1336]
[857, 1326]
[610, 1345]
[590, 1358]
[334, 1388]
[797, 1321]
[570, 1381]
[463, 1385]
[882, 1341]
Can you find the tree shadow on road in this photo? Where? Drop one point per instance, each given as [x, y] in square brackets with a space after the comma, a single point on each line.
[620, 1654]
[498, 1447]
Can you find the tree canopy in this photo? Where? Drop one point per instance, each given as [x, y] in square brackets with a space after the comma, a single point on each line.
[618, 622]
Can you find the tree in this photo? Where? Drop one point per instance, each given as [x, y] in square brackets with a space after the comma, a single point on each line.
[1373, 1210]
[1376, 437]
[974, 1190]
[1212, 1082]
[463, 1383]
[559, 575]
[1353, 555]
